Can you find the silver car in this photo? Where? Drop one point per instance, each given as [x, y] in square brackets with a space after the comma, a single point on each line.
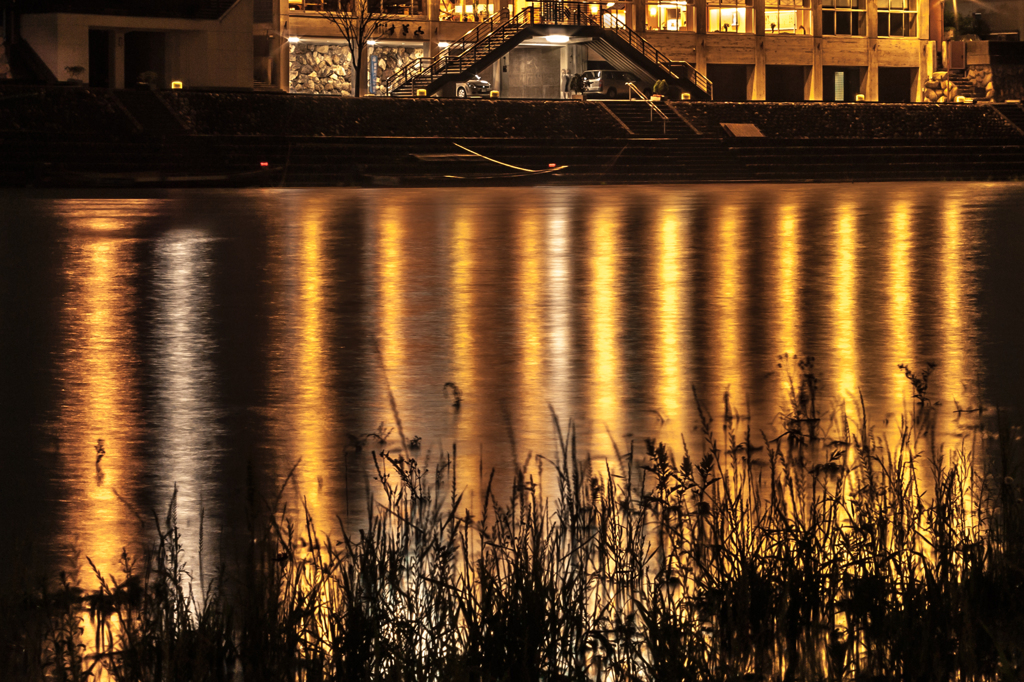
[611, 84]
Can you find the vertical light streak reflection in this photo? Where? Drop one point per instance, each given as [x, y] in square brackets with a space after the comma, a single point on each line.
[846, 264]
[560, 307]
[186, 423]
[532, 385]
[304, 428]
[787, 311]
[725, 308]
[672, 290]
[958, 343]
[99, 379]
[392, 313]
[900, 309]
[603, 310]
[957, 289]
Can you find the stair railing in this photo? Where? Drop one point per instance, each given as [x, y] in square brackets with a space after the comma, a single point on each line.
[468, 47]
[637, 42]
[477, 42]
[633, 89]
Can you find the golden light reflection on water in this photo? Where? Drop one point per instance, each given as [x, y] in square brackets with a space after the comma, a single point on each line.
[604, 324]
[672, 350]
[725, 307]
[900, 283]
[785, 301]
[304, 428]
[530, 325]
[845, 304]
[99, 424]
[532, 304]
[958, 374]
[463, 329]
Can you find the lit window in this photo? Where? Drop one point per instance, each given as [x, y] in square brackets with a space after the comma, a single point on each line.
[670, 16]
[897, 18]
[730, 16]
[843, 18]
[787, 16]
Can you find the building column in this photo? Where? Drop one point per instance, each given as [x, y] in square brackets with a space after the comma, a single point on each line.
[756, 78]
[756, 74]
[700, 17]
[700, 27]
[434, 26]
[281, 50]
[814, 74]
[869, 75]
[924, 70]
[117, 59]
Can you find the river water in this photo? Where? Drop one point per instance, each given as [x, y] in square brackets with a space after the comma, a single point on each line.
[216, 342]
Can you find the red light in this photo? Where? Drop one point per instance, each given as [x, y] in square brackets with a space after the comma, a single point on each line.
[264, 163]
[551, 165]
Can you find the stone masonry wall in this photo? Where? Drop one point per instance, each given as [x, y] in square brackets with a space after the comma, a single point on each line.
[328, 69]
[390, 59]
[320, 69]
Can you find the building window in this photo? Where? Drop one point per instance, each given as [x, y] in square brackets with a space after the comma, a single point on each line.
[670, 16]
[731, 16]
[843, 18]
[897, 18]
[393, 7]
[787, 16]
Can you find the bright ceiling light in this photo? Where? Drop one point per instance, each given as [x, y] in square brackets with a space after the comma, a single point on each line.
[557, 38]
[444, 45]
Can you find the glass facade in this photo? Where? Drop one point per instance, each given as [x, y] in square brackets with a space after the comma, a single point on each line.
[787, 16]
[670, 16]
[897, 18]
[843, 18]
[730, 16]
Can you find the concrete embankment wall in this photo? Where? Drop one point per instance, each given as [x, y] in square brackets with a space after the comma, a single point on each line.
[71, 136]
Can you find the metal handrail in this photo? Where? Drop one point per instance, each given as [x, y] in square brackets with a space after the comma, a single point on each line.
[631, 87]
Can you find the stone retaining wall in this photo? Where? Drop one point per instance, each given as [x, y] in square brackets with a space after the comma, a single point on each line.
[981, 76]
[938, 88]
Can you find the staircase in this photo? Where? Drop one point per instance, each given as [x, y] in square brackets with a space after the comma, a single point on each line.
[148, 111]
[1012, 112]
[619, 45]
[964, 85]
[486, 44]
[644, 119]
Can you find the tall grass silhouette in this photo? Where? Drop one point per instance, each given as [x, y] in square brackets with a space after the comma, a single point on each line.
[826, 552]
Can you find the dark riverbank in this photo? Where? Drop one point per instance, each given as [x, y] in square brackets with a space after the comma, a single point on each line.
[75, 136]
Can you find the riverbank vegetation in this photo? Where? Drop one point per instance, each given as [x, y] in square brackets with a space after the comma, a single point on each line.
[826, 552]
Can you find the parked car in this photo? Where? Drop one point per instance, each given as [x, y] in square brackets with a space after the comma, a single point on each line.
[474, 87]
[610, 84]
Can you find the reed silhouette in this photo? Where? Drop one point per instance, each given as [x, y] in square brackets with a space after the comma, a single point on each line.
[827, 552]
